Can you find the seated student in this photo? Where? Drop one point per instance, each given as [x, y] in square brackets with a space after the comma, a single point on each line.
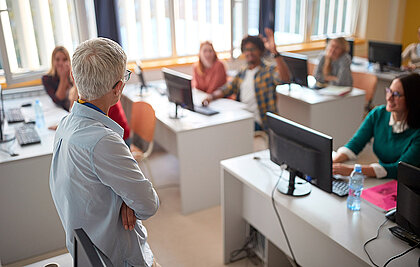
[57, 82]
[255, 84]
[334, 65]
[412, 52]
[395, 128]
[209, 73]
[60, 88]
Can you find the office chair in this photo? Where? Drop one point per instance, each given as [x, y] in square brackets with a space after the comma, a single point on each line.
[143, 122]
[367, 82]
[86, 254]
[311, 68]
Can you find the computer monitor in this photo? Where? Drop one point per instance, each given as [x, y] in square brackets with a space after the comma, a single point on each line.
[388, 55]
[408, 198]
[179, 89]
[86, 254]
[298, 67]
[139, 72]
[349, 41]
[306, 152]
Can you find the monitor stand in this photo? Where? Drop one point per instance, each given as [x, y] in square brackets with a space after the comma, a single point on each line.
[176, 115]
[294, 187]
[143, 91]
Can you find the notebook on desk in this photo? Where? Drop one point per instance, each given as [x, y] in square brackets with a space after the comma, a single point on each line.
[333, 90]
[382, 197]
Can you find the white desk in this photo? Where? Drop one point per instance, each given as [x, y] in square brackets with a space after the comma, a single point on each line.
[200, 142]
[337, 116]
[321, 230]
[29, 223]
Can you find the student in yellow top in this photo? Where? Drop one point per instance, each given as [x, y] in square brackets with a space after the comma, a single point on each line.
[334, 64]
[412, 52]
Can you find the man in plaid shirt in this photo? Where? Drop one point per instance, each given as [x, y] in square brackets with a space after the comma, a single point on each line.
[255, 84]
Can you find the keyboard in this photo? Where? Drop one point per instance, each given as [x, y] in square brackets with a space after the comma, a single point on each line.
[27, 135]
[340, 187]
[14, 115]
[405, 235]
[205, 110]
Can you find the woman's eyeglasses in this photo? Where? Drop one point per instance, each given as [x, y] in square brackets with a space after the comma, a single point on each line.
[393, 93]
[125, 79]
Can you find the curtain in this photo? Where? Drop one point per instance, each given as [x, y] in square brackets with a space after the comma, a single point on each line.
[266, 18]
[107, 21]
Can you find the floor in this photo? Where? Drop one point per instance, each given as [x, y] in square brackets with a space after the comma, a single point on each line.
[176, 239]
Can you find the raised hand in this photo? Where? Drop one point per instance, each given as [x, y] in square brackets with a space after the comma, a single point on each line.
[63, 71]
[269, 42]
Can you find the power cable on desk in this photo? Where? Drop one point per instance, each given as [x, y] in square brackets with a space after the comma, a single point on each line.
[390, 259]
[401, 254]
[373, 238]
[278, 216]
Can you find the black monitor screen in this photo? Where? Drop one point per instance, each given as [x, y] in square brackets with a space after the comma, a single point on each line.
[179, 88]
[305, 151]
[298, 67]
[408, 198]
[386, 54]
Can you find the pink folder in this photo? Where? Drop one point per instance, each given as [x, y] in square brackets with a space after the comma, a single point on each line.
[383, 196]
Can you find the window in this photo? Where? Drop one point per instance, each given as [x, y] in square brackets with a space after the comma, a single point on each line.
[290, 19]
[297, 21]
[145, 28]
[29, 31]
[334, 17]
[168, 28]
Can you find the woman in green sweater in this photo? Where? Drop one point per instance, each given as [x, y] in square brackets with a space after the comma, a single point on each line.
[395, 128]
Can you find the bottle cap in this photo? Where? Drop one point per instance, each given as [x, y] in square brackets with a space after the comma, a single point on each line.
[357, 168]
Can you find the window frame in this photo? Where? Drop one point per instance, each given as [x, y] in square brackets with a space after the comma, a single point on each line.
[83, 33]
[86, 32]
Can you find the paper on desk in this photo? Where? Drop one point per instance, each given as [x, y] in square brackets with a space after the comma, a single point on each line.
[335, 90]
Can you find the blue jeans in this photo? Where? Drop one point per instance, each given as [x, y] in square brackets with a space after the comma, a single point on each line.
[257, 127]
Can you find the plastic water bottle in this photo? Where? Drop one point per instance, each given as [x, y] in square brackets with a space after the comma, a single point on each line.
[39, 115]
[355, 188]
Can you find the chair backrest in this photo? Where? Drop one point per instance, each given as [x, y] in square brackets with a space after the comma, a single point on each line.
[367, 82]
[86, 254]
[143, 120]
[311, 68]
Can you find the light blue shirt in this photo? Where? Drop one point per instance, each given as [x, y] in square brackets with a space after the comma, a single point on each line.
[92, 173]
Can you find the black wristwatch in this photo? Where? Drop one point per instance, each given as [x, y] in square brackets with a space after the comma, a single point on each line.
[277, 54]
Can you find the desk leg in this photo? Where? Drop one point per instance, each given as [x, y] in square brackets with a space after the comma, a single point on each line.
[233, 226]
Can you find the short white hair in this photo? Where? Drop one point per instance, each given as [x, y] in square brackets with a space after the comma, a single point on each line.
[98, 64]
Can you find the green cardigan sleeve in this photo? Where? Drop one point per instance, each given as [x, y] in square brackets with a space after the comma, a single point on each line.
[363, 134]
[410, 156]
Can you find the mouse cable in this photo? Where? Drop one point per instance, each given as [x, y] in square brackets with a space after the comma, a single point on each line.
[278, 216]
[401, 254]
[373, 238]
